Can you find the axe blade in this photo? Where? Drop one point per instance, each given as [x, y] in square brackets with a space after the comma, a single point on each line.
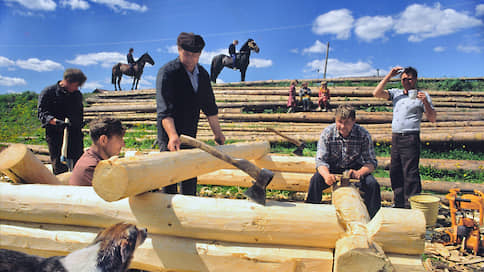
[299, 149]
[257, 192]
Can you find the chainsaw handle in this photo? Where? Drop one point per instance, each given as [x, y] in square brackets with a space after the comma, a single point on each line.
[466, 191]
[458, 199]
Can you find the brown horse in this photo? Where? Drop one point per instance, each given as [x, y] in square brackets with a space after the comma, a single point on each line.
[120, 69]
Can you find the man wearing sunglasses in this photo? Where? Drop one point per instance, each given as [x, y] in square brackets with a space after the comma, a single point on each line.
[409, 105]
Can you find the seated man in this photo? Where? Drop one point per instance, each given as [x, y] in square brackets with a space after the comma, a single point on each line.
[232, 53]
[342, 146]
[107, 140]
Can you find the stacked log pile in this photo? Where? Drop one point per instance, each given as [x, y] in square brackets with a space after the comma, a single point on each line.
[203, 234]
[460, 115]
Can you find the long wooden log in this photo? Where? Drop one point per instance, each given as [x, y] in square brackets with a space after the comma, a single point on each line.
[168, 253]
[204, 218]
[118, 178]
[21, 166]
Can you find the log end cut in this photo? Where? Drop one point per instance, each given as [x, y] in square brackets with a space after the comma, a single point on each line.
[12, 155]
[110, 181]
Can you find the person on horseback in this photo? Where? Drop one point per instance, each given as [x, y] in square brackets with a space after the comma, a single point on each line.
[131, 61]
[232, 53]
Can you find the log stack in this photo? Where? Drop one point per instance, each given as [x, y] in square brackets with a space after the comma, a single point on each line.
[460, 115]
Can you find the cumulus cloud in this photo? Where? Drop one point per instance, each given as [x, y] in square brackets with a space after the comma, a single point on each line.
[105, 59]
[75, 4]
[317, 47]
[337, 68]
[439, 49]
[422, 22]
[44, 5]
[121, 5]
[5, 62]
[338, 22]
[469, 49]
[39, 65]
[11, 81]
[371, 28]
[480, 10]
[260, 63]
[207, 56]
[92, 85]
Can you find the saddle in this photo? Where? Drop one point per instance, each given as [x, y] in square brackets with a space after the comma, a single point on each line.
[227, 61]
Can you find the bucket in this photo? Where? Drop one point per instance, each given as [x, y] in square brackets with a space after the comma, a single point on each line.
[429, 205]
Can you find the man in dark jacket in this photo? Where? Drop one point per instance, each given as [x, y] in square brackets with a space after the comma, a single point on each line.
[233, 54]
[57, 102]
[130, 59]
[183, 89]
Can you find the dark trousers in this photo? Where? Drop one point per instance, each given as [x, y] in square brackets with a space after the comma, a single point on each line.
[54, 142]
[187, 187]
[404, 172]
[368, 185]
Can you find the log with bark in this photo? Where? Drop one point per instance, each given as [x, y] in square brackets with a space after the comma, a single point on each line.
[168, 253]
[118, 178]
[295, 224]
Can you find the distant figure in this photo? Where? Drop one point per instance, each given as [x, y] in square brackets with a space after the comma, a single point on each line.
[57, 102]
[291, 101]
[130, 58]
[305, 96]
[323, 97]
[233, 54]
[107, 140]
[183, 89]
[409, 105]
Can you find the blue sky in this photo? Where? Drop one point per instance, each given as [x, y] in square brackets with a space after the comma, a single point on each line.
[41, 38]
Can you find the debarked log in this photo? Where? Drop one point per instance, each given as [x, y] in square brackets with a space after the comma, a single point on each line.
[168, 253]
[118, 178]
[295, 224]
[22, 166]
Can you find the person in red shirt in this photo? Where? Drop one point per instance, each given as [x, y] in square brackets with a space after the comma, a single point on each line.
[107, 140]
[323, 97]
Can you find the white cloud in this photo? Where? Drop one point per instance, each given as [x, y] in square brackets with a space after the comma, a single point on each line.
[92, 85]
[11, 81]
[371, 28]
[439, 49]
[39, 65]
[295, 51]
[480, 10]
[172, 49]
[219, 80]
[5, 62]
[317, 47]
[260, 63]
[105, 59]
[207, 56]
[337, 68]
[47, 5]
[469, 49]
[121, 5]
[75, 4]
[338, 22]
[422, 22]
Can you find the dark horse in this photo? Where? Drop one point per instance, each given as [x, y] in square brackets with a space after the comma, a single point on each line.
[120, 69]
[221, 61]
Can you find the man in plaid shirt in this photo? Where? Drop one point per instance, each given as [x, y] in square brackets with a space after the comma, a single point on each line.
[342, 146]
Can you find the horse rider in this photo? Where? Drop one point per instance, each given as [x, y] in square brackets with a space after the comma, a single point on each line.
[130, 58]
[232, 53]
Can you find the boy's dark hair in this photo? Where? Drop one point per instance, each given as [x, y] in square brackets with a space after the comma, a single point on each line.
[105, 126]
[345, 111]
[73, 75]
[410, 71]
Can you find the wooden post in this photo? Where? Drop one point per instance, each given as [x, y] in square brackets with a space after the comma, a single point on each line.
[118, 178]
[21, 166]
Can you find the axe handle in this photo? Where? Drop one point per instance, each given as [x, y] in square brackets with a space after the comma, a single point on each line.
[244, 165]
[292, 140]
[65, 140]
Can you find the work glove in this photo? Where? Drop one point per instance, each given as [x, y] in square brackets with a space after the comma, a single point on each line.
[62, 124]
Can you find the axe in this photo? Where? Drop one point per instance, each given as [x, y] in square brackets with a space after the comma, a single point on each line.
[65, 142]
[344, 180]
[300, 144]
[257, 192]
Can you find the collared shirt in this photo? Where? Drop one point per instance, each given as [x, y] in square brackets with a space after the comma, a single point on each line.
[339, 153]
[407, 113]
[194, 77]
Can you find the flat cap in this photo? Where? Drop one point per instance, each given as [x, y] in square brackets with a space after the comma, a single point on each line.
[190, 42]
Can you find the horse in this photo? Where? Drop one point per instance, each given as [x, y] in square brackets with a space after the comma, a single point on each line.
[221, 61]
[120, 69]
